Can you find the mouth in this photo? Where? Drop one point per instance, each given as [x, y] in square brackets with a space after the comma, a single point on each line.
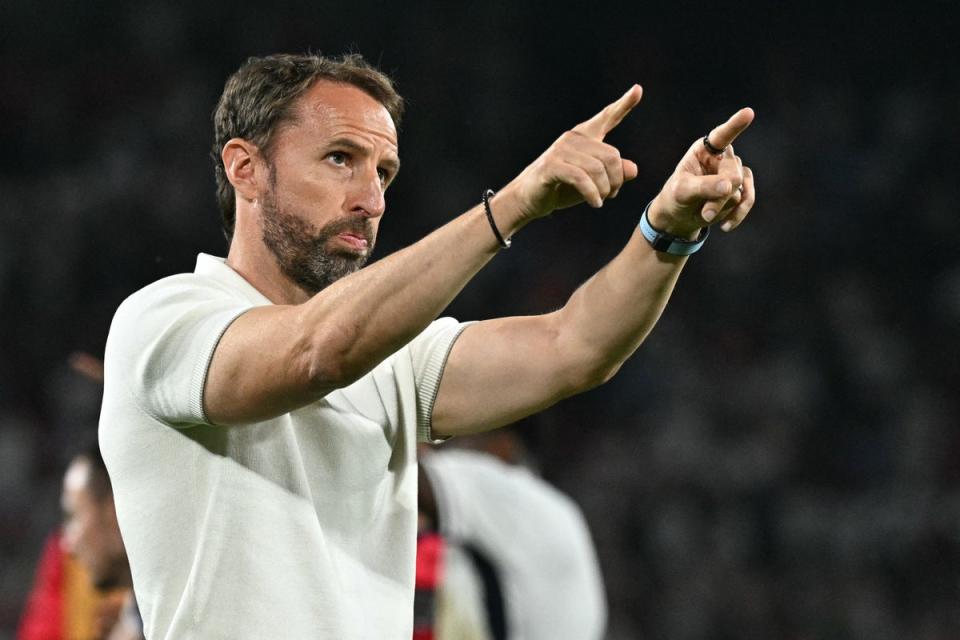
[356, 241]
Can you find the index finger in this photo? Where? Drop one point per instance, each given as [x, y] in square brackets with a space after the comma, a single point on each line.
[604, 122]
[724, 135]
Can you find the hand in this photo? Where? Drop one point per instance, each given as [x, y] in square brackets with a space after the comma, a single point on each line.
[578, 167]
[706, 189]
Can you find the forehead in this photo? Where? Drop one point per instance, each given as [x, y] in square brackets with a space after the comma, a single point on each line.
[334, 108]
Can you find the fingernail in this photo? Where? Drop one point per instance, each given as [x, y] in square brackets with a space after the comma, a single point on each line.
[709, 215]
[726, 226]
[723, 187]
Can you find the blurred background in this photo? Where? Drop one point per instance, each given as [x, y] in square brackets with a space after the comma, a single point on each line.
[781, 459]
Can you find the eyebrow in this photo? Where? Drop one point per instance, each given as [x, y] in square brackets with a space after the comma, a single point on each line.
[391, 162]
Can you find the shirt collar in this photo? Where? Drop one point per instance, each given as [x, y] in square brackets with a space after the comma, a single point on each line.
[218, 269]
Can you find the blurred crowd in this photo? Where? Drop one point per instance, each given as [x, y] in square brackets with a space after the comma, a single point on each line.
[782, 457]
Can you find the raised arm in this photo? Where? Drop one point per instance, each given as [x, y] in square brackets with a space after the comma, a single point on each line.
[274, 359]
[502, 370]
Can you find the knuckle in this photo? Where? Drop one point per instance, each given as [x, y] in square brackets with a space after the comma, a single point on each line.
[676, 189]
[613, 160]
[609, 152]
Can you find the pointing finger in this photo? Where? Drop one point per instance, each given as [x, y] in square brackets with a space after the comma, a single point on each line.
[604, 122]
[724, 135]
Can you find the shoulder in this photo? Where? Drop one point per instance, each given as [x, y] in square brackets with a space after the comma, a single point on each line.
[175, 297]
[174, 313]
[172, 290]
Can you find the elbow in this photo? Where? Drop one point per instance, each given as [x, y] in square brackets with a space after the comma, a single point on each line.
[324, 375]
[587, 365]
[328, 361]
[590, 375]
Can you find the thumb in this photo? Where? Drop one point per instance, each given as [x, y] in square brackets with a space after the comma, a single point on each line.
[690, 188]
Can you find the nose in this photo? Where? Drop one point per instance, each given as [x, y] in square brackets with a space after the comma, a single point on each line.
[367, 197]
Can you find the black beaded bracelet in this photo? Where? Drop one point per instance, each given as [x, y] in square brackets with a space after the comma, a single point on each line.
[489, 193]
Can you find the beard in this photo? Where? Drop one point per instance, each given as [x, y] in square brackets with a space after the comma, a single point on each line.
[301, 248]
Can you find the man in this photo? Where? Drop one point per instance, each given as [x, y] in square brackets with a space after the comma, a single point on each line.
[83, 579]
[259, 414]
[518, 560]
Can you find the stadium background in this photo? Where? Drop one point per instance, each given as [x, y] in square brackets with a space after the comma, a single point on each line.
[782, 458]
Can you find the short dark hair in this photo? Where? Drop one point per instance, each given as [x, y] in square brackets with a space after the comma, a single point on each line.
[257, 98]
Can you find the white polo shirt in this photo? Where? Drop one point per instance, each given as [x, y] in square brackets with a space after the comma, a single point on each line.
[302, 526]
[534, 543]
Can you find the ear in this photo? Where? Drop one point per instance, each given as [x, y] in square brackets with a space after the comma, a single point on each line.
[242, 162]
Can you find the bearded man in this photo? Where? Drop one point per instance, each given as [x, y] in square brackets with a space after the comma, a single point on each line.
[260, 415]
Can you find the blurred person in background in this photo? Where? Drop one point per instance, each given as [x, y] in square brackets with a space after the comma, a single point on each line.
[280, 391]
[97, 602]
[92, 535]
[63, 603]
[517, 560]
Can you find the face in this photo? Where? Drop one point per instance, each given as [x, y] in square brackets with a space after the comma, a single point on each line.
[328, 172]
[90, 532]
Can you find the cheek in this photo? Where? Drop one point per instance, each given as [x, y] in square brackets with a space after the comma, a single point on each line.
[312, 200]
[318, 181]
[85, 535]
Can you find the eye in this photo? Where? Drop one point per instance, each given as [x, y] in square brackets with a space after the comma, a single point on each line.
[338, 157]
[384, 176]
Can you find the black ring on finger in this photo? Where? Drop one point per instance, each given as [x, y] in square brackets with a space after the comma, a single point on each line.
[712, 149]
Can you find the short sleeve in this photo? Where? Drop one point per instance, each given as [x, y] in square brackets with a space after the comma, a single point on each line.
[161, 343]
[429, 352]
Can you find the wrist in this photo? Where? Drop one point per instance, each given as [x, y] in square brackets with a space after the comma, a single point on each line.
[669, 243]
[660, 219]
[508, 210]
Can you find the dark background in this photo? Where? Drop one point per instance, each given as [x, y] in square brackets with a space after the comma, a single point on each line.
[781, 459]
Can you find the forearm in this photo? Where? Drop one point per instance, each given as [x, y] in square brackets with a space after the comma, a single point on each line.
[610, 315]
[529, 363]
[501, 370]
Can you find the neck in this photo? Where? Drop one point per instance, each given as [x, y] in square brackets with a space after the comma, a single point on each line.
[257, 265]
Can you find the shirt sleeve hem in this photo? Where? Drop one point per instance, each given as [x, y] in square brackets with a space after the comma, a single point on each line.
[199, 378]
[429, 387]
